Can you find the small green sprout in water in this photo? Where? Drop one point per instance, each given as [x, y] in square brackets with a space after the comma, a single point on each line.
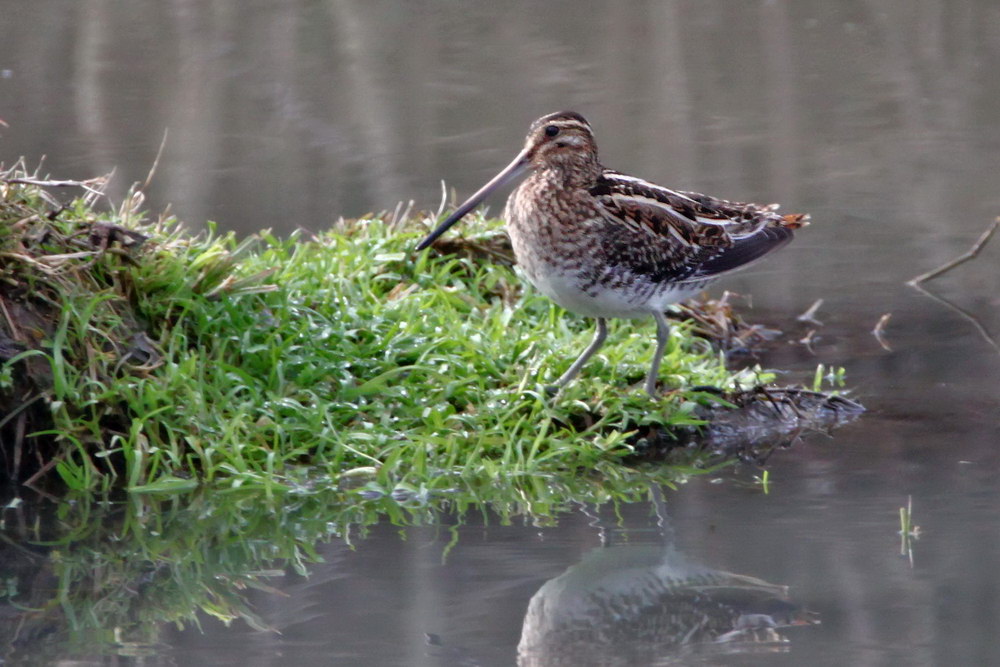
[908, 533]
[834, 377]
[765, 482]
[818, 379]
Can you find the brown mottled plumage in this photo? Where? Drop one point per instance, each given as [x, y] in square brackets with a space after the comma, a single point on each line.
[605, 244]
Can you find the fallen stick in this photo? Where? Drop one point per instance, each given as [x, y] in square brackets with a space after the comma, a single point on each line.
[809, 317]
[879, 331]
[973, 251]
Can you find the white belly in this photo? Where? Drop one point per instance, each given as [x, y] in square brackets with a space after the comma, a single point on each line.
[601, 301]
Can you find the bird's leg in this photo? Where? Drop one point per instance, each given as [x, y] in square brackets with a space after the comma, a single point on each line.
[595, 345]
[662, 336]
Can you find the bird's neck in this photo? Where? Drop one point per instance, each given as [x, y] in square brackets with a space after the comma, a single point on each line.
[582, 173]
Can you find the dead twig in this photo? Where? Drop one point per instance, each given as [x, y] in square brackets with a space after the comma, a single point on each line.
[879, 331]
[972, 252]
[809, 317]
[156, 161]
[11, 324]
[88, 185]
[19, 430]
[444, 201]
[47, 466]
[399, 216]
[808, 339]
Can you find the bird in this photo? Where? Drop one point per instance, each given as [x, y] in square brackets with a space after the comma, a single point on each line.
[604, 244]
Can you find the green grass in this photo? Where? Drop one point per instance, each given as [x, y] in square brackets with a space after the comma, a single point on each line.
[263, 362]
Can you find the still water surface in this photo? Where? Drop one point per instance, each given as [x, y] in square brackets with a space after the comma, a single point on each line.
[882, 119]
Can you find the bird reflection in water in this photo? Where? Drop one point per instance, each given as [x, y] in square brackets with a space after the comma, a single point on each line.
[641, 603]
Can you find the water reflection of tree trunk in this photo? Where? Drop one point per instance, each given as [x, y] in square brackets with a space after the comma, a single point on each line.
[671, 123]
[422, 67]
[197, 112]
[899, 70]
[370, 105]
[89, 96]
[616, 69]
[780, 104]
[933, 80]
[277, 64]
[782, 138]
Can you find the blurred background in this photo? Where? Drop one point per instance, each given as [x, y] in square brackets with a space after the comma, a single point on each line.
[879, 117]
[295, 113]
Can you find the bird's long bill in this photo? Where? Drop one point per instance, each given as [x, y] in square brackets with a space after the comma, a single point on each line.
[509, 173]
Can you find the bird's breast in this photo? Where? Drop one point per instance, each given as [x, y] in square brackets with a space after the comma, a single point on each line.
[561, 245]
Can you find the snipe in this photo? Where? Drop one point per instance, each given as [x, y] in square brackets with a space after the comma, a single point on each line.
[604, 244]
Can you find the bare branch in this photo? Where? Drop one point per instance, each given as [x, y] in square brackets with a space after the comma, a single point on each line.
[973, 251]
[809, 317]
[879, 331]
[156, 161]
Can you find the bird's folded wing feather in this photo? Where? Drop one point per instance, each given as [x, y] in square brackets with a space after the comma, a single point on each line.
[695, 236]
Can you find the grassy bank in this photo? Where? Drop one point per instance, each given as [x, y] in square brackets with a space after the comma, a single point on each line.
[137, 353]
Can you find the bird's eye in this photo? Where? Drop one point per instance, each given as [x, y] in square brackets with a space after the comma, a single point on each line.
[551, 130]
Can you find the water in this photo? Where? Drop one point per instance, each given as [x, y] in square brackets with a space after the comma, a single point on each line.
[881, 119]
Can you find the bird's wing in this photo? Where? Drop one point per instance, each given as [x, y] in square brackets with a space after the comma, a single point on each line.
[694, 236]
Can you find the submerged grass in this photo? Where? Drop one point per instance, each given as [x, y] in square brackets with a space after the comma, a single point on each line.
[184, 359]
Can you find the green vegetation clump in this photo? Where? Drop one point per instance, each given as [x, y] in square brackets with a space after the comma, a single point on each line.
[136, 352]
